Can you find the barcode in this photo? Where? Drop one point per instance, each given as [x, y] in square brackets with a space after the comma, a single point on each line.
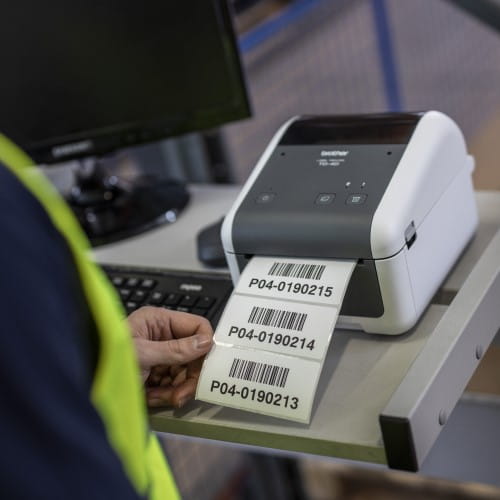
[262, 373]
[277, 318]
[306, 271]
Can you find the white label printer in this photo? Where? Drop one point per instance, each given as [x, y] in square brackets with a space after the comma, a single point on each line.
[392, 191]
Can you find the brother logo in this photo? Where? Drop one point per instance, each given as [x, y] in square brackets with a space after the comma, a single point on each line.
[70, 149]
[334, 153]
[189, 287]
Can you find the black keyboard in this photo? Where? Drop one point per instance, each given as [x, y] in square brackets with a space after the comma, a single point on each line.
[204, 294]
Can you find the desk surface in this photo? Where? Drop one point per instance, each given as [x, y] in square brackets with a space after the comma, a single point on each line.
[361, 374]
[172, 246]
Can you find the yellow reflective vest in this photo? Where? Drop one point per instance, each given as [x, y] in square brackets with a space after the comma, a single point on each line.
[117, 392]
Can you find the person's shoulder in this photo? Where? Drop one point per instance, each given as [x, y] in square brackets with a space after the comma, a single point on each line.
[16, 202]
[40, 291]
[25, 226]
[48, 355]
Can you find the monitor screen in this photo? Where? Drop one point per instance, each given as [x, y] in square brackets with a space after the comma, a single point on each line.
[84, 78]
[87, 77]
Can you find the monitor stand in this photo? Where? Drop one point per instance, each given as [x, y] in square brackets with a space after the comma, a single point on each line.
[111, 208]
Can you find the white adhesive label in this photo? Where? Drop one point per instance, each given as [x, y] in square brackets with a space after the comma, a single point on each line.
[259, 381]
[307, 280]
[275, 325]
[272, 339]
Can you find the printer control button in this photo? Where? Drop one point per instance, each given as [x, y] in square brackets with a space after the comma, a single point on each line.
[325, 198]
[265, 198]
[356, 199]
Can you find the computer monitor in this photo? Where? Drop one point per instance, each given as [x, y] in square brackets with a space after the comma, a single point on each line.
[85, 78]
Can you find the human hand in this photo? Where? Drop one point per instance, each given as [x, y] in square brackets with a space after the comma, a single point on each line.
[170, 347]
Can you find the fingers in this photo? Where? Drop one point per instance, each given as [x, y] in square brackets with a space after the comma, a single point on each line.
[157, 323]
[172, 396]
[185, 324]
[161, 374]
[170, 346]
[177, 386]
[172, 352]
[164, 337]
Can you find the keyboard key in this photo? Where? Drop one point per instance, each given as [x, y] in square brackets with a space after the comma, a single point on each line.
[172, 299]
[148, 283]
[183, 309]
[156, 298]
[189, 300]
[205, 302]
[139, 296]
[131, 306]
[124, 293]
[163, 289]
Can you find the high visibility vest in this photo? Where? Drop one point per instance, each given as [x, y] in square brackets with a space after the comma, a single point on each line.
[116, 392]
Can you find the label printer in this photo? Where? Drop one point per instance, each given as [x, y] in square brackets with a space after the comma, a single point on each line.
[391, 191]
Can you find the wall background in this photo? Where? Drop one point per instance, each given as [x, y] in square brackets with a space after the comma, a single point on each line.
[327, 61]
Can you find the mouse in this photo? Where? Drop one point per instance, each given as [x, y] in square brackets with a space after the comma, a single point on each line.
[209, 245]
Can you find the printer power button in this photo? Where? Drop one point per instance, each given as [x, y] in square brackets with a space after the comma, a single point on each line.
[265, 198]
[325, 198]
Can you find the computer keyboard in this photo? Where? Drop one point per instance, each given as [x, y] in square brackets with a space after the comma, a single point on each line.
[204, 294]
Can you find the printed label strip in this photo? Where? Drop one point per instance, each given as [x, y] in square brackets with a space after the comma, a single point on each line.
[272, 339]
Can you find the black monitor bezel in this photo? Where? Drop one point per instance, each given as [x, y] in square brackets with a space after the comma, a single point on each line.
[103, 141]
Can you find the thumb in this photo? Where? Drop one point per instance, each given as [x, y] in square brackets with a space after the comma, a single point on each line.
[172, 352]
